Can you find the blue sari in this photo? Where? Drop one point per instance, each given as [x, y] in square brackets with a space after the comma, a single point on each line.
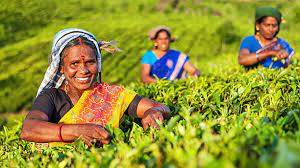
[170, 66]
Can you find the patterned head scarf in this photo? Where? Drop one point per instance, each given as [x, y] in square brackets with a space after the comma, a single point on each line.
[53, 77]
[153, 32]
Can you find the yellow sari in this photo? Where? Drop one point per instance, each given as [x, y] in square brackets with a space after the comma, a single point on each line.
[104, 105]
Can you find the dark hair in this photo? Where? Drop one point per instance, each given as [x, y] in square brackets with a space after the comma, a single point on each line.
[162, 30]
[260, 20]
[75, 42]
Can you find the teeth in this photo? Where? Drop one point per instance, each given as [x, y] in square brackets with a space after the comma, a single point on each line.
[82, 79]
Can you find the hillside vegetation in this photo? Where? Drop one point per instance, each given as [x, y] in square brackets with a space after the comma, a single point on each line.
[228, 117]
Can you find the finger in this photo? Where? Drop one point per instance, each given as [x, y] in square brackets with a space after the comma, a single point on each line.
[157, 117]
[283, 55]
[153, 122]
[161, 118]
[102, 132]
[87, 140]
[94, 141]
[145, 123]
[105, 141]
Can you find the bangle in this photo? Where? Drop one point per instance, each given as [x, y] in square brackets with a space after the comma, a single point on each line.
[257, 56]
[59, 133]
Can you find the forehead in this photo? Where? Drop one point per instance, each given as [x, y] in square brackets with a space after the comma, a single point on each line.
[270, 19]
[80, 52]
[162, 34]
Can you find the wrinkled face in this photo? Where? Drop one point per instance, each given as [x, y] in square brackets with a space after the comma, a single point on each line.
[80, 67]
[162, 42]
[268, 27]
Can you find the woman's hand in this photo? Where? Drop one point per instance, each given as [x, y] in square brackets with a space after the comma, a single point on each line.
[92, 134]
[151, 117]
[151, 112]
[281, 54]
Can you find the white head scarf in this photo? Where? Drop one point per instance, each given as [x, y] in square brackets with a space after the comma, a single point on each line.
[53, 77]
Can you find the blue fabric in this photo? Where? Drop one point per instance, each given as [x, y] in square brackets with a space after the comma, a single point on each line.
[149, 58]
[164, 67]
[252, 44]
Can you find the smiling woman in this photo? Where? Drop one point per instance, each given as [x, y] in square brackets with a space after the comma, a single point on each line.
[73, 103]
[162, 62]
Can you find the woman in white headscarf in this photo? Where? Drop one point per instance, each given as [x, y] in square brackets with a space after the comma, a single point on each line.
[73, 103]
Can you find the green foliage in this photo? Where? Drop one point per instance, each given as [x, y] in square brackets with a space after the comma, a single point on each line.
[229, 117]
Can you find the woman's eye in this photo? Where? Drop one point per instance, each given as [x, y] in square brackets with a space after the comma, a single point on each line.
[74, 63]
[91, 62]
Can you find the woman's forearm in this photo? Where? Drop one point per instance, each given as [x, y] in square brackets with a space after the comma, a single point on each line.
[43, 131]
[248, 59]
[253, 58]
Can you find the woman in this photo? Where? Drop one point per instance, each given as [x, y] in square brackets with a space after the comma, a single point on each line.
[264, 47]
[162, 62]
[73, 103]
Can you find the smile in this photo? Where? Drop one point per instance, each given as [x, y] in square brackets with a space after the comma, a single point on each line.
[83, 80]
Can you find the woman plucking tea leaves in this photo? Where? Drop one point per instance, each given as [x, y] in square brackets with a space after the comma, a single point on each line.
[265, 48]
[72, 101]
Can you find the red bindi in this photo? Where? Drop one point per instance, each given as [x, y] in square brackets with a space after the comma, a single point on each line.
[82, 51]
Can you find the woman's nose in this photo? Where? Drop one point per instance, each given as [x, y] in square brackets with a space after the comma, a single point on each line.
[84, 69]
[272, 28]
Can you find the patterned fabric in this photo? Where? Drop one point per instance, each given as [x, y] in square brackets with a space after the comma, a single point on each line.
[53, 77]
[169, 66]
[155, 30]
[104, 105]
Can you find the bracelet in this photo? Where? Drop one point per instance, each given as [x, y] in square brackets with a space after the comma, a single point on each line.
[257, 56]
[59, 133]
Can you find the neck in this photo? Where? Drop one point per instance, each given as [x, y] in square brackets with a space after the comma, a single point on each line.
[159, 53]
[263, 40]
[73, 93]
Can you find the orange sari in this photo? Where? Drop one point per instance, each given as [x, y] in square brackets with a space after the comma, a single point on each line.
[104, 105]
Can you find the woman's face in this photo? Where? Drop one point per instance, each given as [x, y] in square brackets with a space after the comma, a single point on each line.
[268, 27]
[80, 67]
[162, 42]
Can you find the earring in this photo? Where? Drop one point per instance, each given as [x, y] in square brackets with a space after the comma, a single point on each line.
[66, 86]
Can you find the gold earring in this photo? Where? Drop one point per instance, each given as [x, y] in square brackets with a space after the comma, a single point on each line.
[66, 87]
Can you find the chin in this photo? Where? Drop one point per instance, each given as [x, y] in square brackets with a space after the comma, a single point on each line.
[83, 87]
[269, 37]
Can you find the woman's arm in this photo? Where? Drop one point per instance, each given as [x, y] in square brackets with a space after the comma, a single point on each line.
[36, 128]
[191, 69]
[246, 58]
[150, 111]
[146, 78]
